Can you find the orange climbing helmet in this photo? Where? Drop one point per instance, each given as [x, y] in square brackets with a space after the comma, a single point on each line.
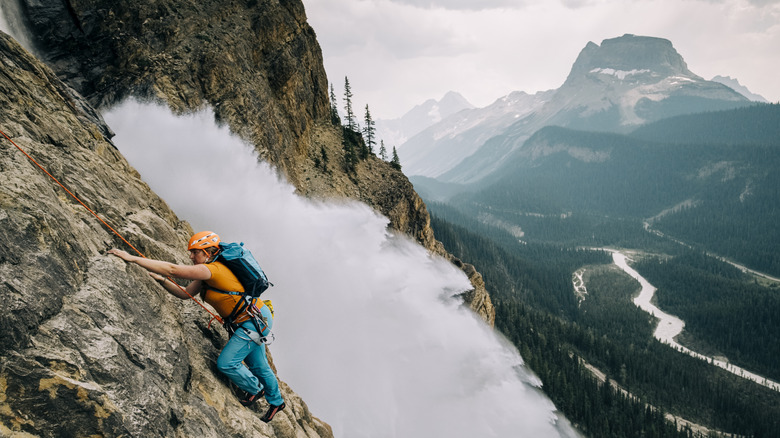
[203, 240]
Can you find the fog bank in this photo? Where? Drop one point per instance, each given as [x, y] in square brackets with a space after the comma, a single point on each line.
[369, 327]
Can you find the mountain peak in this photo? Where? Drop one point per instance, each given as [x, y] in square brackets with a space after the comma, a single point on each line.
[453, 99]
[398, 131]
[630, 55]
[450, 103]
[734, 84]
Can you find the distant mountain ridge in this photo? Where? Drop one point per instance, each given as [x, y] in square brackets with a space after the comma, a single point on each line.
[615, 87]
[395, 132]
[734, 84]
[443, 145]
[708, 178]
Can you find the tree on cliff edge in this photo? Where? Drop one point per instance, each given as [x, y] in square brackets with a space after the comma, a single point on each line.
[395, 162]
[348, 104]
[334, 112]
[369, 131]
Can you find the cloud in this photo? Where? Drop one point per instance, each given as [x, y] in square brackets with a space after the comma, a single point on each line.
[399, 53]
[470, 5]
[387, 29]
[577, 4]
[759, 3]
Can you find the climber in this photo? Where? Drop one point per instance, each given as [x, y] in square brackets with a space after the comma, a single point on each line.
[211, 279]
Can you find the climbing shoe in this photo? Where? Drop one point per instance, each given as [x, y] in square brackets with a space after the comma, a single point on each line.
[249, 399]
[272, 410]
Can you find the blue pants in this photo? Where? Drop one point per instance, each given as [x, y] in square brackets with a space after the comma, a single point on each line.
[258, 375]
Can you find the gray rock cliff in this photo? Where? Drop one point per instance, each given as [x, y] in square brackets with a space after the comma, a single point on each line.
[92, 346]
[256, 62]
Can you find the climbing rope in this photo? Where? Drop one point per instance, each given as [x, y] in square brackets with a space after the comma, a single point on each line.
[104, 222]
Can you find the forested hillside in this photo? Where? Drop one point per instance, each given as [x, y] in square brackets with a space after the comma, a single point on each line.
[726, 312]
[670, 191]
[756, 124]
[720, 192]
[537, 310]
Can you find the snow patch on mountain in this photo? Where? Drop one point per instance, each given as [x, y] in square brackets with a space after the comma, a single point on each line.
[615, 87]
[620, 74]
[445, 144]
[395, 132]
[434, 114]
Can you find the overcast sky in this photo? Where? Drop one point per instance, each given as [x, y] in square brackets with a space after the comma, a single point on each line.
[399, 53]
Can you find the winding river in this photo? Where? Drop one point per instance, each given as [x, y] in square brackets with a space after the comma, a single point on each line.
[669, 326]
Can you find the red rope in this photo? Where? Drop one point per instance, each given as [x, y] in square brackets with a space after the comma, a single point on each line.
[104, 222]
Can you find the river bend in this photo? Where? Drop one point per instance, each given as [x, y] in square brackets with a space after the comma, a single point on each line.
[670, 326]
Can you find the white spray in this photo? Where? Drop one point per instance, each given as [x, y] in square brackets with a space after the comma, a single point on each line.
[11, 23]
[369, 328]
[3, 23]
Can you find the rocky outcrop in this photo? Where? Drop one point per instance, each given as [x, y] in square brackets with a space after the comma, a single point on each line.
[255, 62]
[390, 192]
[632, 55]
[92, 346]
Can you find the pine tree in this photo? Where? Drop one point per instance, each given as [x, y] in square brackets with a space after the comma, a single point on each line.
[382, 150]
[350, 154]
[369, 131]
[395, 162]
[334, 112]
[348, 104]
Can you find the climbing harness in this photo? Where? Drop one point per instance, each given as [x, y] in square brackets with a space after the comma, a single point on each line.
[104, 222]
[247, 305]
[260, 325]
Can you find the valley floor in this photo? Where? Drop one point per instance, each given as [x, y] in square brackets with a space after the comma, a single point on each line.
[670, 326]
[697, 429]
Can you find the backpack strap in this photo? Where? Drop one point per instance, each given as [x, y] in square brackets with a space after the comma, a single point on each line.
[239, 308]
[228, 292]
[245, 303]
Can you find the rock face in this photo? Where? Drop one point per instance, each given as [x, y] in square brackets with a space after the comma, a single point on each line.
[255, 62]
[92, 346]
[631, 53]
[631, 80]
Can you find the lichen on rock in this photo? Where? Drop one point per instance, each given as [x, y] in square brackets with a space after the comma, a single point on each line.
[92, 346]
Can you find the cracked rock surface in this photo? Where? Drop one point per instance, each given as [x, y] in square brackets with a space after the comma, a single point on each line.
[92, 346]
[258, 64]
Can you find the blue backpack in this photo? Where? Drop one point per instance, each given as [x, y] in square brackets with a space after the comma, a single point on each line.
[243, 265]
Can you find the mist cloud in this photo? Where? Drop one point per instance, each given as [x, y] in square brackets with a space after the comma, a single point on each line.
[370, 330]
[3, 24]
